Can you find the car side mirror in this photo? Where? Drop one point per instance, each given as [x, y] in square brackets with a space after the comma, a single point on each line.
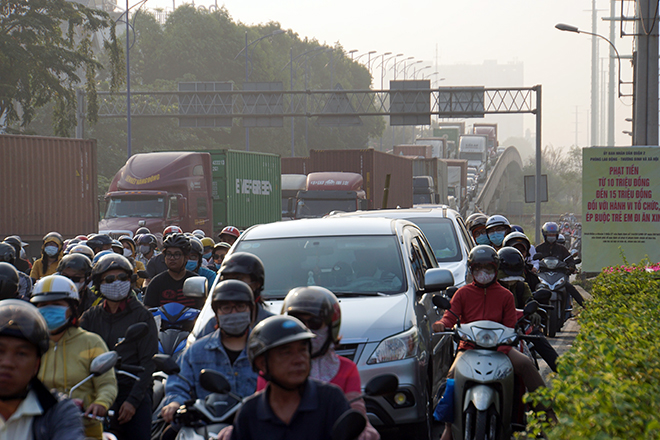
[195, 287]
[436, 279]
[214, 382]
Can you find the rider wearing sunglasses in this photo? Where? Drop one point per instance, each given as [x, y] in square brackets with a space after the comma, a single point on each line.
[78, 268]
[112, 275]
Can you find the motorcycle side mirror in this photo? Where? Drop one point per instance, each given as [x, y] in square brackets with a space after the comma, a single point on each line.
[542, 295]
[349, 425]
[531, 307]
[537, 257]
[441, 302]
[382, 385]
[451, 290]
[103, 363]
[135, 332]
[195, 287]
[214, 382]
[143, 274]
[166, 364]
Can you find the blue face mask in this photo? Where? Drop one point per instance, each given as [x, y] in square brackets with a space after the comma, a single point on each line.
[482, 239]
[207, 256]
[55, 316]
[496, 238]
[191, 265]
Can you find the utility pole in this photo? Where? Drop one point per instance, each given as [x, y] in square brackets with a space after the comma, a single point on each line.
[594, 75]
[645, 58]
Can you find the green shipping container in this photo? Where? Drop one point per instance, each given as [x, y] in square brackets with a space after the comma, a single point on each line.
[246, 188]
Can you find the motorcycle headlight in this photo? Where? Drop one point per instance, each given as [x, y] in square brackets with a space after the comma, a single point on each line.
[485, 338]
[510, 340]
[464, 336]
[396, 348]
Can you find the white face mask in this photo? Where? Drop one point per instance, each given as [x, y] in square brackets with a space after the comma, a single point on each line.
[128, 253]
[116, 291]
[80, 286]
[484, 277]
[319, 340]
[144, 249]
[51, 251]
[234, 324]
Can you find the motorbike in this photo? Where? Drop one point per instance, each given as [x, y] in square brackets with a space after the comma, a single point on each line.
[486, 403]
[175, 322]
[554, 274]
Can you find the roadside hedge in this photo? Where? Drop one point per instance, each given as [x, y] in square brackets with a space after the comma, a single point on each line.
[608, 384]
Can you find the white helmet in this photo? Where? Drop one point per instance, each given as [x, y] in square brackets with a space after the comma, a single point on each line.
[54, 288]
[199, 233]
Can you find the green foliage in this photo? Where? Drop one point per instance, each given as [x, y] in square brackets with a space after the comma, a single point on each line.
[607, 384]
[43, 45]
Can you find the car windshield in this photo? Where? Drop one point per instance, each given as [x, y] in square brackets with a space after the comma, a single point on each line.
[138, 206]
[471, 156]
[442, 236]
[310, 208]
[350, 265]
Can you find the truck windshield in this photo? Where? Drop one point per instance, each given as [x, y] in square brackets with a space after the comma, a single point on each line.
[365, 265]
[442, 237]
[471, 156]
[136, 206]
[310, 208]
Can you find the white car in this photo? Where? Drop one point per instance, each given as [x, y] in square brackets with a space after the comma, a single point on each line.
[443, 227]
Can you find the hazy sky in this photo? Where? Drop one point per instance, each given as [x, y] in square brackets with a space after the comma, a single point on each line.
[466, 31]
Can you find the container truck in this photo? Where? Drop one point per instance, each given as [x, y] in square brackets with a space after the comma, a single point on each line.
[193, 190]
[291, 184]
[330, 191]
[49, 184]
[457, 181]
[436, 171]
[438, 145]
[472, 147]
[415, 150]
[451, 134]
[490, 131]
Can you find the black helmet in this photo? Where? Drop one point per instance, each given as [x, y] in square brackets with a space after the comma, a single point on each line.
[148, 239]
[275, 331]
[109, 262]
[98, 241]
[476, 219]
[232, 290]
[245, 263]
[20, 319]
[76, 261]
[484, 255]
[7, 253]
[177, 240]
[16, 242]
[511, 261]
[8, 281]
[516, 237]
[142, 230]
[316, 301]
[196, 246]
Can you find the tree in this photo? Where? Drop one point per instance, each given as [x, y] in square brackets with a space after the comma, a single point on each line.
[45, 45]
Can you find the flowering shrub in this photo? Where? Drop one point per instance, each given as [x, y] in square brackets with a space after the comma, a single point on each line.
[607, 385]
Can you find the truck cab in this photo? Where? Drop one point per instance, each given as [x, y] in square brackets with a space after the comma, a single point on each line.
[327, 192]
[157, 190]
[473, 148]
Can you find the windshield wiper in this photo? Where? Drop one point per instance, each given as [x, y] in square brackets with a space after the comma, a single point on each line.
[355, 294]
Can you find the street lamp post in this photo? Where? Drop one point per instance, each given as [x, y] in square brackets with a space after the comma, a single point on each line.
[415, 71]
[406, 68]
[247, 72]
[404, 65]
[610, 132]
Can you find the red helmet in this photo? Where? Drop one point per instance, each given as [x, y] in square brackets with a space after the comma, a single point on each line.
[230, 230]
[172, 230]
[81, 237]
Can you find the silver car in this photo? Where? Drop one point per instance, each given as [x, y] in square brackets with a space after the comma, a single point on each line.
[384, 273]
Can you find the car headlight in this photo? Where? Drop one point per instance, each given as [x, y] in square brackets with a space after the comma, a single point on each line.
[396, 348]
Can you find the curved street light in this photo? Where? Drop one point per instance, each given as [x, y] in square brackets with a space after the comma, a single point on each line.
[407, 67]
[404, 65]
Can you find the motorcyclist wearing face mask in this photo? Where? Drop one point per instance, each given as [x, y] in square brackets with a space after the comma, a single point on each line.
[196, 261]
[550, 247]
[71, 351]
[486, 299]
[112, 275]
[78, 268]
[476, 224]
[51, 254]
[146, 248]
[224, 350]
[497, 227]
[167, 287]
[128, 251]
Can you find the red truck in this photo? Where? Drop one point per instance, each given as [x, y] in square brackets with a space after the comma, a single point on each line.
[193, 190]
